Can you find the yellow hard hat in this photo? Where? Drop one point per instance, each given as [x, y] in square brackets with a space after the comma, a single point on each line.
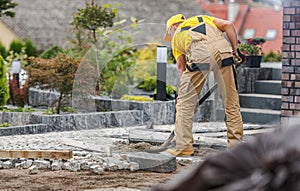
[174, 19]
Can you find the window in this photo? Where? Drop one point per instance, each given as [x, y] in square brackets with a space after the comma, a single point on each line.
[271, 34]
[248, 33]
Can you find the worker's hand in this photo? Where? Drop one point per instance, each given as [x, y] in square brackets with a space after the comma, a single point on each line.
[239, 57]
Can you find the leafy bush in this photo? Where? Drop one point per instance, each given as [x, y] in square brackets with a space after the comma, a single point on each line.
[50, 111]
[16, 46]
[31, 49]
[272, 57]
[4, 91]
[19, 109]
[22, 57]
[5, 125]
[3, 51]
[170, 89]
[55, 74]
[148, 84]
[51, 52]
[68, 109]
[136, 98]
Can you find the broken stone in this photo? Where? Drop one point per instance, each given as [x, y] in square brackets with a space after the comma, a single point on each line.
[184, 161]
[18, 165]
[97, 169]
[42, 164]
[153, 162]
[56, 165]
[27, 164]
[105, 166]
[85, 165]
[65, 166]
[33, 170]
[123, 165]
[134, 166]
[74, 166]
[7, 164]
[112, 167]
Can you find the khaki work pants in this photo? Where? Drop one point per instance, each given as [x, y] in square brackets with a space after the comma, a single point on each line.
[190, 85]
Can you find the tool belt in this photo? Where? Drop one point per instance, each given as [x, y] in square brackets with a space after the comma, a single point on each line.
[205, 66]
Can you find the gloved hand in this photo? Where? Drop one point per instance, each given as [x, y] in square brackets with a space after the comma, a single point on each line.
[240, 58]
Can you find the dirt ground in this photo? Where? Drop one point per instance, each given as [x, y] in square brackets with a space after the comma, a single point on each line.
[47, 180]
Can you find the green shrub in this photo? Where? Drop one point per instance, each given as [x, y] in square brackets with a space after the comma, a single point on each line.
[5, 125]
[68, 109]
[4, 94]
[31, 49]
[136, 98]
[51, 52]
[50, 111]
[149, 84]
[19, 109]
[170, 89]
[272, 57]
[16, 46]
[3, 51]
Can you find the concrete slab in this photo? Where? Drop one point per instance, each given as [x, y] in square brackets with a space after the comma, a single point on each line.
[151, 136]
[155, 162]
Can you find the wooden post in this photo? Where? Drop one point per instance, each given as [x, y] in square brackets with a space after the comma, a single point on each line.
[44, 154]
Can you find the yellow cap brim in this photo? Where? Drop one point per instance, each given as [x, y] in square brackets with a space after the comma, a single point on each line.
[167, 37]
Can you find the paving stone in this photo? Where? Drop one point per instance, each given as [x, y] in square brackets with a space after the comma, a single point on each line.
[85, 165]
[56, 165]
[153, 162]
[26, 164]
[42, 164]
[97, 169]
[112, 167]
[74, 166]
[66, 166]
[18, 165]
[33, 170]
[7, 164]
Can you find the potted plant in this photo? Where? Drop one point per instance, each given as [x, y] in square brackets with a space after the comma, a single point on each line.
[252, 48]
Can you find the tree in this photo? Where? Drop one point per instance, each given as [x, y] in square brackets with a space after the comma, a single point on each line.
[31, 49]
[4, 94]
[92, 17]
[55, 74]
[5, 8]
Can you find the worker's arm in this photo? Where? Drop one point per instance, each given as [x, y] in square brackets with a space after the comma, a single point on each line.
[181, 62]
[229, 29]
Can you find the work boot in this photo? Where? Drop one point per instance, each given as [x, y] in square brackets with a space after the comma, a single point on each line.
[179, 152]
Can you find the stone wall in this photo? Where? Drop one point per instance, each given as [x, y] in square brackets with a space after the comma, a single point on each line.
[158, 111]
[246, 77]
[30, 123]
[290, 60]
